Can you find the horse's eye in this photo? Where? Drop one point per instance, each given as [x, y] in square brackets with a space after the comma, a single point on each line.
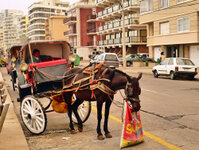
[139, 91]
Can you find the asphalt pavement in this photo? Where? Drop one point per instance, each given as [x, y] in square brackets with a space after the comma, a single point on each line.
[12, 136]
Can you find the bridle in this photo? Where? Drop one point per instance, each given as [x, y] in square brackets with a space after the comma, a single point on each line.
[129, 92]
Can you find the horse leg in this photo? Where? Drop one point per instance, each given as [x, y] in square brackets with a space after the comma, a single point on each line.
[106, 116]
[99, 118]
[67, 98]
[74, 108]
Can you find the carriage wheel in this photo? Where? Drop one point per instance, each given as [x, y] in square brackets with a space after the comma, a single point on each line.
[84, 111]
[33, 115]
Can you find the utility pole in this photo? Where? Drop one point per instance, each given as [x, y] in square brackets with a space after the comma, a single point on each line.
[123, 37]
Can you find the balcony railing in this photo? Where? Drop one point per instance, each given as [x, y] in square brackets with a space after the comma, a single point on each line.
[91, 17]
[117, 7]
[91, 30]
[128, 40]
[117, 24]
[73, 44]
[69, 32]
[66, 20]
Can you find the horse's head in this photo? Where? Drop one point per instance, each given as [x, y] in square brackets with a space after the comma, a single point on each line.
[133, 91]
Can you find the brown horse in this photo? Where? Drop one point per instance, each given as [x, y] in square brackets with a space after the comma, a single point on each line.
[113, 80]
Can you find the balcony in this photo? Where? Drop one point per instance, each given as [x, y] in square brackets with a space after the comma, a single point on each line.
[115, 11]
[117, 25]
[73, 44]
[131, 40]
[91, 18]
[91, 31]
[70, 20]
[70, 33]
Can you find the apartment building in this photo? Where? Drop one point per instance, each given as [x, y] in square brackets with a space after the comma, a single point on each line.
[111, 31]
[55, 28]
[82, 27]
[10, 30]
[39, 12]
[173, 27]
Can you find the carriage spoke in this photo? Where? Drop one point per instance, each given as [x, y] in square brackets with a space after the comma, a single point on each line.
[39, 119]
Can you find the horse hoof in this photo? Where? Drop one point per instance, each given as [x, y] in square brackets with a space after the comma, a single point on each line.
[80, 129]
[100, 137]
[73, 132]
[108, 135]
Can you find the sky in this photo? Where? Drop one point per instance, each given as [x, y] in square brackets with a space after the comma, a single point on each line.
[23, 4]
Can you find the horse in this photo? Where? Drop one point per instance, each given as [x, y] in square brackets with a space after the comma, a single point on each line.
[111, 80]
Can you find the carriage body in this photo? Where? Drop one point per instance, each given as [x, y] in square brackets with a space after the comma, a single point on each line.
[45, 75]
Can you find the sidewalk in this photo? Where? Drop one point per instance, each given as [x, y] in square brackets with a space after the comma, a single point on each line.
[12, 136]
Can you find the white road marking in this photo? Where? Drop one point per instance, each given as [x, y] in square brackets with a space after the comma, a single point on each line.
[156, 92]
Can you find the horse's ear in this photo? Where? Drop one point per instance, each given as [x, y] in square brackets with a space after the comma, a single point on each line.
[139, 77]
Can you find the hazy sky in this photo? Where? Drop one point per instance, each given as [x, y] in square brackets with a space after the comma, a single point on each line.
[23, 4]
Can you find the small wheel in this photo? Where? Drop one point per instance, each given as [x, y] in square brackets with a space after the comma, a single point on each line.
[33, 115]
[128, 63]
[84, 111]
[155, 74]
[172, 76]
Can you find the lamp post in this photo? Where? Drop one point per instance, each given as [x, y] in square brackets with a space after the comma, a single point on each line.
[123, 37]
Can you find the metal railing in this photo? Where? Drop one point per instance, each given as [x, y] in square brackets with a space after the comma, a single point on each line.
[117, 7]
[69, 32]
[130, 39]
[69, 19]
[91, 17]
[117, 24]
[92, 30]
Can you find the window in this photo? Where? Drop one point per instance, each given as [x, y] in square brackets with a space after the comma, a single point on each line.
[183, 24]
[164, 28]
[163, 3]
[171, 62]
[165, 62]
[184, 62]
[146, 6]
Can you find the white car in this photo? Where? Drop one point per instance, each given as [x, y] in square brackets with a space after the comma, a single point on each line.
[174, 67]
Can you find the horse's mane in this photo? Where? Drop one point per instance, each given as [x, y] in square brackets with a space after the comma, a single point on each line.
[120, 72]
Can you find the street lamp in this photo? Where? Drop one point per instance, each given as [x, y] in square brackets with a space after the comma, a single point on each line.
[123, 37]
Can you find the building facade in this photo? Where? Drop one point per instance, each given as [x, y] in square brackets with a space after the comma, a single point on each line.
[173, 27]
[82, 27]
[10, 29]
[111, 31]
[55, 28]
[40, 11]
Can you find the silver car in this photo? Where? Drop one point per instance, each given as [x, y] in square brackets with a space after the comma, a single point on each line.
[109, 59]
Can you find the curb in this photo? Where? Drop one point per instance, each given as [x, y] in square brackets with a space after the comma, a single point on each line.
[12, 136]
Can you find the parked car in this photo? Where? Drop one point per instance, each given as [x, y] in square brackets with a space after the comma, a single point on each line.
[135, 57]
[174, 67]
[109, 59]
[95, 59]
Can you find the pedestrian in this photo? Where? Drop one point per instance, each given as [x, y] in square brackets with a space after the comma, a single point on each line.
[162, 57]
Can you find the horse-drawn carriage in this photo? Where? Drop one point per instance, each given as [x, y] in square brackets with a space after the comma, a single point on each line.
[43, 79]
[67, 89]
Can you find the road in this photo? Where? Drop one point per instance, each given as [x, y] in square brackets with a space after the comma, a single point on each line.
[169, 114]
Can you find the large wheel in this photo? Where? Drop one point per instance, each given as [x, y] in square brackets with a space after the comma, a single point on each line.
[84, 111]
[33, 115]
[128, 63]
